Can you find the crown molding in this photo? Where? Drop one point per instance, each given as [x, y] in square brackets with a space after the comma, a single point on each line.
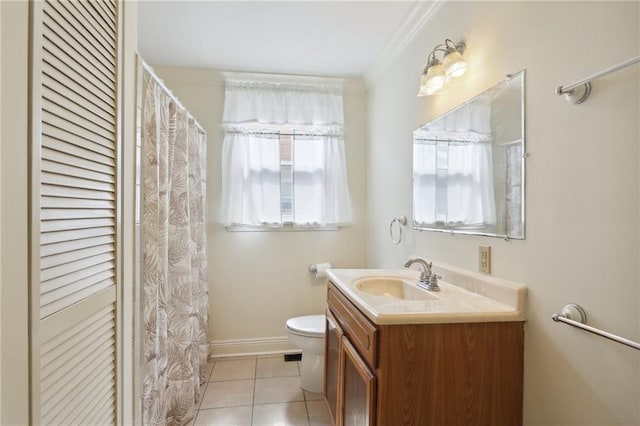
[421, 13]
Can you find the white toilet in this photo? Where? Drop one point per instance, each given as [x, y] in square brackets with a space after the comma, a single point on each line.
[308, 333]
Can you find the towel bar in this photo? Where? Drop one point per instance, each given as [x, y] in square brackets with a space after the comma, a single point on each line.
[571, 311]
[579, 91]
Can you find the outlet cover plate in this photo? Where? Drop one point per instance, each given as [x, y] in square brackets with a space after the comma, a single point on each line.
[484, 259]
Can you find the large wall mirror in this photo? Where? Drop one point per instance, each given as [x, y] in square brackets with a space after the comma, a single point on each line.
[468, 166]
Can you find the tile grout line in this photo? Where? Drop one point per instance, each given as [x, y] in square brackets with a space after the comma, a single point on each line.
[253, 400]
[206, 385]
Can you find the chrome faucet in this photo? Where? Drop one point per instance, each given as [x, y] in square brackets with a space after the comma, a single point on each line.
[428, 280]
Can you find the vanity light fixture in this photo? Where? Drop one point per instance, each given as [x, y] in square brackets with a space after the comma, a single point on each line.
[439, 73]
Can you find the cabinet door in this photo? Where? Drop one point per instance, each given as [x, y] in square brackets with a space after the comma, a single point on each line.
[358, 388]
[332, 367]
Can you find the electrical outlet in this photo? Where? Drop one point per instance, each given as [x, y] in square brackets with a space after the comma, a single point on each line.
[484, 259]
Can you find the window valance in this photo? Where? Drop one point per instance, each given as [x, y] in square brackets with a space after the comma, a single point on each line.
[277, 103]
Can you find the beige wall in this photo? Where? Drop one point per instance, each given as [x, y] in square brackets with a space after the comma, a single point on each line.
[582, 189]
[13, 225]
[257, 280]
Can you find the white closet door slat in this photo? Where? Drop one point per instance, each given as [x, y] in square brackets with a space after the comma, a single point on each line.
[76, 290]
[104, 11]
[75, 203]
[58, 50]
[73, 245]
[70, 267]
[65, 37]
[58, 353]
[101, 415]
[54, 373]
[64, 258]
[81, 106]
[87, 194]
[66, 225]
[87, 153]
[100, 401]
[76, 117]
[61, 287]
[65, 399]
[73, 296]
[83, 26]
[67, 170]
[74, 130]
[75, 234]
[80, 397]
[53, 214]
[78, 358]
[73, 77]
[104, 37]
[64, 157]
[57, 138]
[75, 182]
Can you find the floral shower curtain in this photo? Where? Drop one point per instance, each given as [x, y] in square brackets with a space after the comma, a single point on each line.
[174, 258]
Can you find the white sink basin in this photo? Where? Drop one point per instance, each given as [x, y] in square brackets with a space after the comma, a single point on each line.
[392, 287]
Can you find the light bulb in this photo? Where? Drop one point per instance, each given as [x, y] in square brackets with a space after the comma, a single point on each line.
[454, 65]
[432, 81]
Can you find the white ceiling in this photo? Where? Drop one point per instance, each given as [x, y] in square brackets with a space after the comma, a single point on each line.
[321, 38]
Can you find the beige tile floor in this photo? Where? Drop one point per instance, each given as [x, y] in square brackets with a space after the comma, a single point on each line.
[262, 390]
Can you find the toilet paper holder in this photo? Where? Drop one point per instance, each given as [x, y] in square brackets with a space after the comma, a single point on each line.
[313, 268]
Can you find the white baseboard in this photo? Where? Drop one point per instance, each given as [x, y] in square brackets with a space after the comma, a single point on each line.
[257, 346]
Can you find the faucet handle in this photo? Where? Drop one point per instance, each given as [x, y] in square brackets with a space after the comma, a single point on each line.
[433, 282]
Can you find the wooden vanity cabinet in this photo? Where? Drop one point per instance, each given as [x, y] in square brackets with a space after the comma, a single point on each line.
[421, 374]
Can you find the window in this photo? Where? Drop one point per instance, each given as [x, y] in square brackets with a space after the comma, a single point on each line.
[286, 177]
[283, 156]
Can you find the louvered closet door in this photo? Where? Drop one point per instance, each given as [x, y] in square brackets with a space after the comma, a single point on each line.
[74, 210]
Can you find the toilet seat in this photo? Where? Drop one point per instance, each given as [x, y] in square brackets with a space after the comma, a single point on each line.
[307, 326]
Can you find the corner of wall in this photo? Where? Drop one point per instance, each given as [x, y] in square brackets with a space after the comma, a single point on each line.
[130, 387]
[14, 388]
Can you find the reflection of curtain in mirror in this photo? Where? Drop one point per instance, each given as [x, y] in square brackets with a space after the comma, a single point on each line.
[513, 196]
[453, 170]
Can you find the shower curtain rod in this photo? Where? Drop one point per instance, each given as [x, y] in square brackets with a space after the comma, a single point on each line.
[173, 97]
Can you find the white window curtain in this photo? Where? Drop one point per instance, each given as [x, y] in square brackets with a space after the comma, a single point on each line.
[251, 179]
[254, 114]
[320, 176]
[453, 170]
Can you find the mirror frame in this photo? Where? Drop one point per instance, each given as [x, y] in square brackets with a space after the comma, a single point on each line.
[507, 237]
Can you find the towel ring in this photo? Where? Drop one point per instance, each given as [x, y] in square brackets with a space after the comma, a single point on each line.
[401, 221]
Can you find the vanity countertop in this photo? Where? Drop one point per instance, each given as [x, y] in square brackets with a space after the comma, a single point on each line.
[473, 298]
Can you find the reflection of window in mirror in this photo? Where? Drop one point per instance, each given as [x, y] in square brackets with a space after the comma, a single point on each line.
[453, 170]
[467, 166]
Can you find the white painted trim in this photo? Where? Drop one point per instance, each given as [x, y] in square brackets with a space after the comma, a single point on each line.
[421, 13]
[254, 346]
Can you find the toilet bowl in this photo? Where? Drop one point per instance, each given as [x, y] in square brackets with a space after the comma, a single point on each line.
[308, 333]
